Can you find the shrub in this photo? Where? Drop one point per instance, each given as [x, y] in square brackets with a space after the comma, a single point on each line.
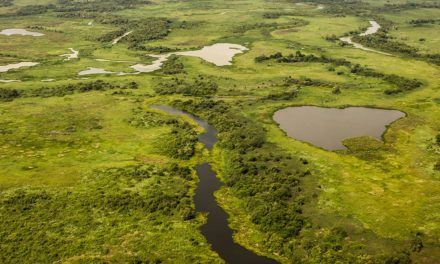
[173, 66]
[9, 94]
[199, 86]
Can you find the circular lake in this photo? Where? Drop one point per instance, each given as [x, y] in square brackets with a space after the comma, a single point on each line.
[328, 127]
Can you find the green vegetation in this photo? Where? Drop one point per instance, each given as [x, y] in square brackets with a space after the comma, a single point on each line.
[5, 2]
[402, 84]
[135, 203]
[199, 86]
[173, 66]
[90, 173]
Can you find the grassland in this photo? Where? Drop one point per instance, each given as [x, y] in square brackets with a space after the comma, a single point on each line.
[59, 156]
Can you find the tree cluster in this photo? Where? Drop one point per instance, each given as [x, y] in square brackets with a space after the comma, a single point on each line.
[199, 86]
[5, 2]
[173, 66]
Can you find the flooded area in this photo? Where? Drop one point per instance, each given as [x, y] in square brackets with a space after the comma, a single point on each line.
[328, 127]
[9, 81]
[92, 70]
[154, 66]
[373, 28]
[20, 31]
[216, 230]
[69, 56]
[12, 66]
[220, 54]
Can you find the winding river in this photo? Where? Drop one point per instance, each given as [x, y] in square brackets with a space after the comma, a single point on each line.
[216, 230]
[372, 29]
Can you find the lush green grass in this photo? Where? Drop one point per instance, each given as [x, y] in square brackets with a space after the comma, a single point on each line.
[382, 197]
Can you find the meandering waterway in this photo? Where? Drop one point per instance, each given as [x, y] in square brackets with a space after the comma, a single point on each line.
[216, 230]
[372, 29]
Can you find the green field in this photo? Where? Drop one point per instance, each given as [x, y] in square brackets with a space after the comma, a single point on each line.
[94, 175]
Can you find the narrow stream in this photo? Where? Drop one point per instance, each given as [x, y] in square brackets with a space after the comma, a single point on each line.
[216, 230]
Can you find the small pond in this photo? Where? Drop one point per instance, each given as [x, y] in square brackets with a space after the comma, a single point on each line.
[69, 56]
[328, 127]
[20, 31]
[154, 66]
[12, 66]
[92, 70]
[220, 54]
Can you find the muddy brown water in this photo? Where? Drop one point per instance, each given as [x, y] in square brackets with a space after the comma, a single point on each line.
[216, 230]
[328, 127]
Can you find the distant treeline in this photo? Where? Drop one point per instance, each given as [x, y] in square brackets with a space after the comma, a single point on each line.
[5, 2]
[409, 5]
[62, 90]
[71, 8]
[277, 14]
[98, 5]
[402, 84]
[362, 8]
[422, 21]
[293, 22]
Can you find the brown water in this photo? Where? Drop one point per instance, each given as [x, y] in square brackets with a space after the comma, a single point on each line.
[216, 230]
[328, 127]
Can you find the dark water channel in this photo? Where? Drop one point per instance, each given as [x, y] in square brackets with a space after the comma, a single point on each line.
[216, 230]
